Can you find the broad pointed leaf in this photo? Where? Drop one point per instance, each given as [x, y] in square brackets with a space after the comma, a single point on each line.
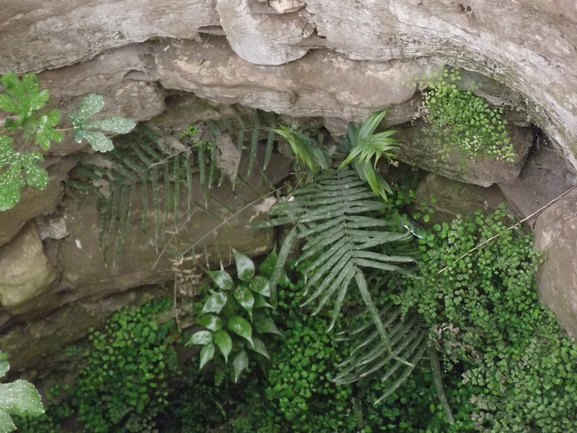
[200, 338]
[259, 347]
[241, 327]
[222, 279]
[266, 268]
[245, 298]
[90, 105]
[260, 285]
[206, 354]
[210, 321]
[12, 164]
[240, 363]
[244, 266]
[265, 325]
[260, 302]
[97, 140]
[214, 303]
[224, 343]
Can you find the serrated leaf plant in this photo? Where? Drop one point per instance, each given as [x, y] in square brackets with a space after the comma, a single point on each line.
[86, 130]
[233, 315]
[22, 102]
[16, 398]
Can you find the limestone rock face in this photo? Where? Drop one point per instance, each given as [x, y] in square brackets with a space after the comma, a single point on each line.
[87, 270]
[25, 271]
[260, 37]
[213, 72]
[528, 45]
[54, 33]
[451, 198]
[544, 177]
[556, 235]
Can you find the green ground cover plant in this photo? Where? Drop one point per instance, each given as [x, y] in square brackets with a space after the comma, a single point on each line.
[124, 385]
[389, 298]
[509, 351]
[462, 121]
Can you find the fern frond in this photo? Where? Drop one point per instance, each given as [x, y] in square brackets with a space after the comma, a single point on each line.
[407, 343]
[344, 228]
[157, 171]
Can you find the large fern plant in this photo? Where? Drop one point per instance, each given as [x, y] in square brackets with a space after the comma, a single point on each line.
[350, 241]
[156, 170]
[347, 237]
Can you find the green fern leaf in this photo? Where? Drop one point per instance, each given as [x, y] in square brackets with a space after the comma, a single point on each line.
[335, 216]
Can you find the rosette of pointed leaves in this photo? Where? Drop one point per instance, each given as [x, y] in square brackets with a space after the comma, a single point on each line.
[231, 317]
[306, 149]
[366, 148]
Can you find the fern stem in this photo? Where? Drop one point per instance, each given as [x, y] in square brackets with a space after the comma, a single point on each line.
[438, 380]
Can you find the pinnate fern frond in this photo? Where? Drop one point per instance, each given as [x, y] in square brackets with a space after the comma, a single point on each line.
[155, 171]
[407, 341]
[345, 233]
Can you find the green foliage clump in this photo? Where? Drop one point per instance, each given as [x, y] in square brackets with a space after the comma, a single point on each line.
[303, 363]
[363, 149]
[228, 309]
[463, 121]
[22, 102]
[516, 363]
[124, 384]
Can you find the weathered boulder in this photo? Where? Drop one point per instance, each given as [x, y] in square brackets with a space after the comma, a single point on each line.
[421, 150]
[451, 199]
[211, 71]
[260, 36]
[555, 234]
[543, 178]
[25, 271]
